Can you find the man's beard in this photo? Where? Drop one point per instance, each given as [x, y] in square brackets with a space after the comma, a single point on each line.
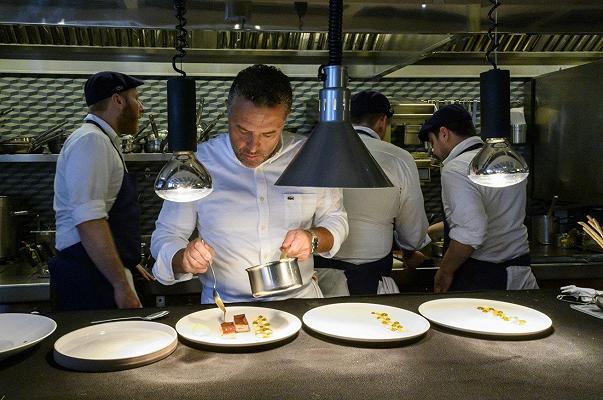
[127, 122]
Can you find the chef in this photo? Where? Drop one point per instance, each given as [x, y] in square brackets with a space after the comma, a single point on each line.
[95, 201]
[247, 220]
[376, 215]
[485, 240]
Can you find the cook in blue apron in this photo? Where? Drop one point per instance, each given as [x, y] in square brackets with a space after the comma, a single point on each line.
[76, 283]
[475, 274]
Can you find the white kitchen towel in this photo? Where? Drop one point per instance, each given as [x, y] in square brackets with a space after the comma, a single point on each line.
[387, 286]
[580, 293]
[590, 309]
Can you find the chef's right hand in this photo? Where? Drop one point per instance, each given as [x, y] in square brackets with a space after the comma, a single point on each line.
[196, 257]
[125, 297]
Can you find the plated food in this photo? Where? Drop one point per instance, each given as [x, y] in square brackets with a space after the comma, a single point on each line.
[365, 322]
[487, 317]
[267, 326]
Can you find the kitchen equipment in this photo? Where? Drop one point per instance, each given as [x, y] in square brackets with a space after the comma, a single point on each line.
[46, 239]
[519, 134]
[274, 277]
[149, 317]
[127, 144]
[8, 235]
[359, 322]
[204, 327]
[153, 144]
[543, 228]
[216, 295]
[208, 128]
[115, 346]
[22, 331]
[468, 315]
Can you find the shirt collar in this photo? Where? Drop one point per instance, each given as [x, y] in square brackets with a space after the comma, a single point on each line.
[106, 127]
[458, 149]
[368, 130]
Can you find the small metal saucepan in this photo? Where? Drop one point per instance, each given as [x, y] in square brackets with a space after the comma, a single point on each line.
[274, 277]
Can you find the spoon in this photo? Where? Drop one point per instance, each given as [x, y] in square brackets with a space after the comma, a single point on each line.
[149, 317]
[217, 298]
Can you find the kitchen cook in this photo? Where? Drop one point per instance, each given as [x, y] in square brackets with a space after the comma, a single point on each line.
[485, 240]
[376, 215]
[95, 201]
[247, 220]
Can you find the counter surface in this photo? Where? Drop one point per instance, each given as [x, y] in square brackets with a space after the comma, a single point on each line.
[565, 363]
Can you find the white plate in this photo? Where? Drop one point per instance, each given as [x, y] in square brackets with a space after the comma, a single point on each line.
[204, 326]
[462, 314]
[115, 345]
[354, 321]
[21, 331]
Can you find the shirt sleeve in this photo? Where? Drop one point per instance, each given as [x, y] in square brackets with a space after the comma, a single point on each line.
[463, 208]
[173, 228]
[411, 222]
[89, 176]
[331, 215]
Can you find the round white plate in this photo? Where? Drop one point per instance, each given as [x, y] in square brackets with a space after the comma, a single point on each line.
[115, 345]
[204, 326]
[21, 331]
[462, 314]
[354, 321]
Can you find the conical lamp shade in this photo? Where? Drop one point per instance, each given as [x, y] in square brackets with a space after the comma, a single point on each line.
[334, 156]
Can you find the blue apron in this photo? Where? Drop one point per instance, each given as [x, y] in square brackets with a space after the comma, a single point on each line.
[475, 274]
[75, 282]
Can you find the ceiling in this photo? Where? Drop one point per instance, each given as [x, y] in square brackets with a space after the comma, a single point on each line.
[381, 38]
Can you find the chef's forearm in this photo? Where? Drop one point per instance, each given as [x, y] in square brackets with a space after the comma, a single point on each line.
[98, 242]
[325, 239]
[455, 256]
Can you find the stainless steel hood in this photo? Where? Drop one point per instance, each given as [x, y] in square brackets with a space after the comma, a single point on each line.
[380, 37]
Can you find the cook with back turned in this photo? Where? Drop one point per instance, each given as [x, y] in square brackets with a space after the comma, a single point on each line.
[95, 201]
[485, 239]
[247, 220]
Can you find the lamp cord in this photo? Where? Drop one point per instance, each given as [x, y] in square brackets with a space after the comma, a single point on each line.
[335, 35]
[493, 33]
[181, 36]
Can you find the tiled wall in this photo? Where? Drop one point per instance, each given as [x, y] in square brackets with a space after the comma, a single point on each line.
[39, 102]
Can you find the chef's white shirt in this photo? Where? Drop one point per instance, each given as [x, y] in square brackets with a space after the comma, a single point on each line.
[89, 174]
[488, 219]
[371, 212]
[245, 219]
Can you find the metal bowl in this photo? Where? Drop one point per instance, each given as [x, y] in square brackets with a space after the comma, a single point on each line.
[274, 277]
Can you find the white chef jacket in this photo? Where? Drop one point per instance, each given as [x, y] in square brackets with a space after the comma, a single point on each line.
[245, 219]
[371, 212]
[89, 174]
[488, 219]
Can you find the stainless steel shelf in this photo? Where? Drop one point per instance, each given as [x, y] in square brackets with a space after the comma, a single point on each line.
[31, 158]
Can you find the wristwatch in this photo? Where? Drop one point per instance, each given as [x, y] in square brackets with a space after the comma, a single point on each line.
[314, 240]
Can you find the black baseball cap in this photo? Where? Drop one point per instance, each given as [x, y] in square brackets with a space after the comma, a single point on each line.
[444, 116]
[370, 102]
[104, 84]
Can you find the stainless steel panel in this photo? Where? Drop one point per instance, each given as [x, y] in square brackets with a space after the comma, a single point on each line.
[568, 150]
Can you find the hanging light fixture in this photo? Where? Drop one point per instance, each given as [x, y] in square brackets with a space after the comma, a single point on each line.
[183, 178]
[334, 155]
[497, 164]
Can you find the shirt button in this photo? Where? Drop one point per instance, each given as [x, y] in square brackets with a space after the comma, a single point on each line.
[263, 227]
[261, 198]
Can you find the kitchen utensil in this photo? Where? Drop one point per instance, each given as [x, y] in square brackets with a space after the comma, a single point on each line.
[518, 134]
[274, 277]
[216, 295]
[358, 322]
[552, 207]
[22, 331]
[206, 131]
[204, 327]
[592, 233]
[116, 346]
[543, 228]
[150, 317]
[8, 228]
[464, 315]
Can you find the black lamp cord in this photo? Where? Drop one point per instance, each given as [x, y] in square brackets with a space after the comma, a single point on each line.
[493, 33]
[181, 36]
[335, 35]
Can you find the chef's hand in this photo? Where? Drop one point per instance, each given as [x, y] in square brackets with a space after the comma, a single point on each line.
[125, 297]
[442, 281]
[145, 274]
[195, 258]
[298, 243]
[412, 258]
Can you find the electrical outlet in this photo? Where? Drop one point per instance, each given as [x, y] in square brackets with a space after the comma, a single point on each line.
[160, 301]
